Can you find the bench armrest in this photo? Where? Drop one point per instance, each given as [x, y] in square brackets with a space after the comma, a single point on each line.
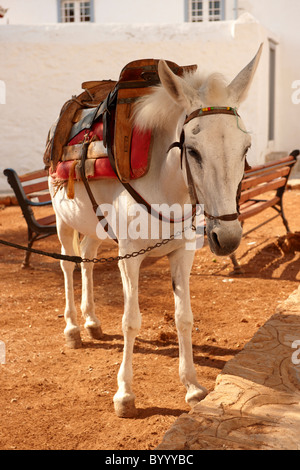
[295, 153]
[38, 204]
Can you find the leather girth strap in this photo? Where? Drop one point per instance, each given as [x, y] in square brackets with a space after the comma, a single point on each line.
[94, 203]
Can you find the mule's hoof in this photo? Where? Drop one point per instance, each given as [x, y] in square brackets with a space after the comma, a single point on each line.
[73, 339]
[125, 408]
[94, 332]
[194, 396]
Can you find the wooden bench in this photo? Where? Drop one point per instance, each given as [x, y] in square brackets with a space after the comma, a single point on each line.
[269, 181]
[32, 190]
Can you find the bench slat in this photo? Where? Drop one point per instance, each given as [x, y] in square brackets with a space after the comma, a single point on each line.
[49, 220]
[35, 187]
[247, 204]
[262, 169]
[257, 208]
[33, 175]
[255, 180]
[263, 188]
[43, 197]
[288, 158]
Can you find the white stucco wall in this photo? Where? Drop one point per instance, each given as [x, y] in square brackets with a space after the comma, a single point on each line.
[137, 11]
[29, 11]
[42, 66]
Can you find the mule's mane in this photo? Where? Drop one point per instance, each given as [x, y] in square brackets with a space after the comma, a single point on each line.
[155, 110]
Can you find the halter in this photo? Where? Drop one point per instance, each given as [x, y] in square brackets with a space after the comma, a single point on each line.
[195, 114]
[211, 110]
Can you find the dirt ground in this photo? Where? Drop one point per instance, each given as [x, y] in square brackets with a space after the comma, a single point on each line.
[52, 397]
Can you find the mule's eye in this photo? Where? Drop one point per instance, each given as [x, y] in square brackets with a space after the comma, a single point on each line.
[195, 154]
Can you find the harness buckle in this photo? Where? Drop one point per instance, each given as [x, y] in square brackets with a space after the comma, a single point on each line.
[86, 139]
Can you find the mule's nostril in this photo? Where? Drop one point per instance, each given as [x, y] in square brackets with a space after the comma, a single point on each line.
[216, 239]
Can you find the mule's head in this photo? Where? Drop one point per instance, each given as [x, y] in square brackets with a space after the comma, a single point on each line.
[214, 146]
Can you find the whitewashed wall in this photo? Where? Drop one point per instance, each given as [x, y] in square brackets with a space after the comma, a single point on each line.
[29, 11]
[43, 65]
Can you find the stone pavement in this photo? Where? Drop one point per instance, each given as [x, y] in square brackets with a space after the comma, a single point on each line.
[256, 401]
[294, 183]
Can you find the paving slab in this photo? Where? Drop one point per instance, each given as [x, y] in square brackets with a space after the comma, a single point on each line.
[294, 183]
[256, 401]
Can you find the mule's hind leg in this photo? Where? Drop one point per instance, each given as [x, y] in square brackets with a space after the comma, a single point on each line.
[131, 323]
[181, 262]
[72, 330]
[88, 249]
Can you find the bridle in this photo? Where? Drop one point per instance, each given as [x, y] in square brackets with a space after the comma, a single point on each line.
[138, 198]
[181, 145]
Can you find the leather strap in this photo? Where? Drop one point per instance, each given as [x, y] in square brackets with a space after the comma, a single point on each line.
[208, 111]
[193, 196]
[194, 199]
[225, 218]
[95, 205]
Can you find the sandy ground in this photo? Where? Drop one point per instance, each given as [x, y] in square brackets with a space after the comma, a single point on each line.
[56, 398]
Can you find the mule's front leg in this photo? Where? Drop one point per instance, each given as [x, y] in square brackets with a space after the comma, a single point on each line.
[88, 249]
[72, 330]
[181, 262]
[131, 324]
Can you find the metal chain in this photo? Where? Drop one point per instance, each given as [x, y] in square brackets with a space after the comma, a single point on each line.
[142, 251]
[78, 259]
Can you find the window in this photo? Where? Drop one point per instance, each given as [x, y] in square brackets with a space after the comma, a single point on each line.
[75, 11]
[206, 10]
[214, 11]
[196, 11]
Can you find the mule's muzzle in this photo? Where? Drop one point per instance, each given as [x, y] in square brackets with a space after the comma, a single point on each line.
[224, 237]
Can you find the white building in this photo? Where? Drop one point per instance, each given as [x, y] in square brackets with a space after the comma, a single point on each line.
[48, 47]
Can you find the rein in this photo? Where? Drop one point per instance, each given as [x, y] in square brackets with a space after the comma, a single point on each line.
[195, 114]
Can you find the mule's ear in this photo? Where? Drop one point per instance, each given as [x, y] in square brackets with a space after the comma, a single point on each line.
[239, 87]
[177, 88]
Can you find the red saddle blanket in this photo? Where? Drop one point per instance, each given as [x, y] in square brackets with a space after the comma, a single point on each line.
[139, 156]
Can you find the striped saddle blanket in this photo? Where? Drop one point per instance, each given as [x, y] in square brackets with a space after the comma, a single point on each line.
[97, 164]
